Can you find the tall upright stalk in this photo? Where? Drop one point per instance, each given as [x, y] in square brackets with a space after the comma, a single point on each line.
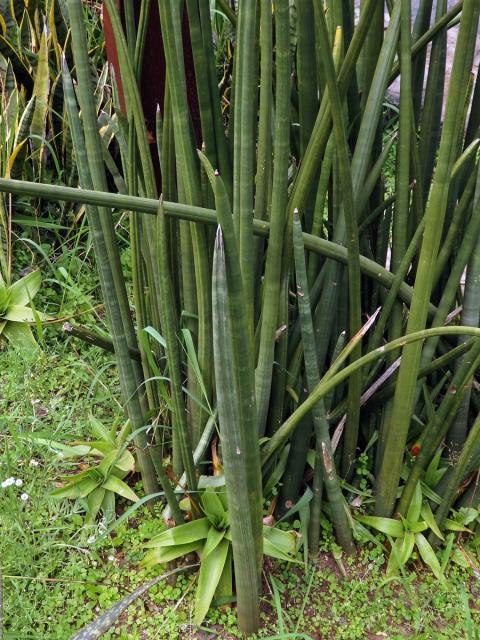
[281, 149]
[170, 326]
[402, 184]
[244, 135]
[470, 317]
[190, 180]
[243, 537]
[322, 435]
[242, 451]
[465, 459]
[263, 177]
[350, 214]
[402, 202]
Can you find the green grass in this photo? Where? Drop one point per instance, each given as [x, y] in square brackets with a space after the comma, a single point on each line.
[55, 581]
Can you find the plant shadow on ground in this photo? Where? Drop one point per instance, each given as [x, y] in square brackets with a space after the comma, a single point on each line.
[57, 578]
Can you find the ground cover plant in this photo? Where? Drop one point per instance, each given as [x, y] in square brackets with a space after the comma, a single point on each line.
[289, 274]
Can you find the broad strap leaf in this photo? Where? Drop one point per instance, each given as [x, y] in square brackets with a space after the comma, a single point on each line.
[17, 313]
[415, 506]
[25, 289]
[389, 526]
[94, 502]
[166, 554]
[429, 518]
[194, 531]
[211, 569]
[214, 538]
[77, 490]
[100, 431]
[119, 486]
[213, 507]
[428, 556]
[20, 336]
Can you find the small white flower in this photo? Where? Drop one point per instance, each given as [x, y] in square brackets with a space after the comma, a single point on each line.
[91, 540]
[18, 482]
[111, 558]
[24, 497]
[8, 483]
[33, 463]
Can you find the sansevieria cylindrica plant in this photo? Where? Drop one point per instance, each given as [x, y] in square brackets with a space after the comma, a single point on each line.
[301, 271]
